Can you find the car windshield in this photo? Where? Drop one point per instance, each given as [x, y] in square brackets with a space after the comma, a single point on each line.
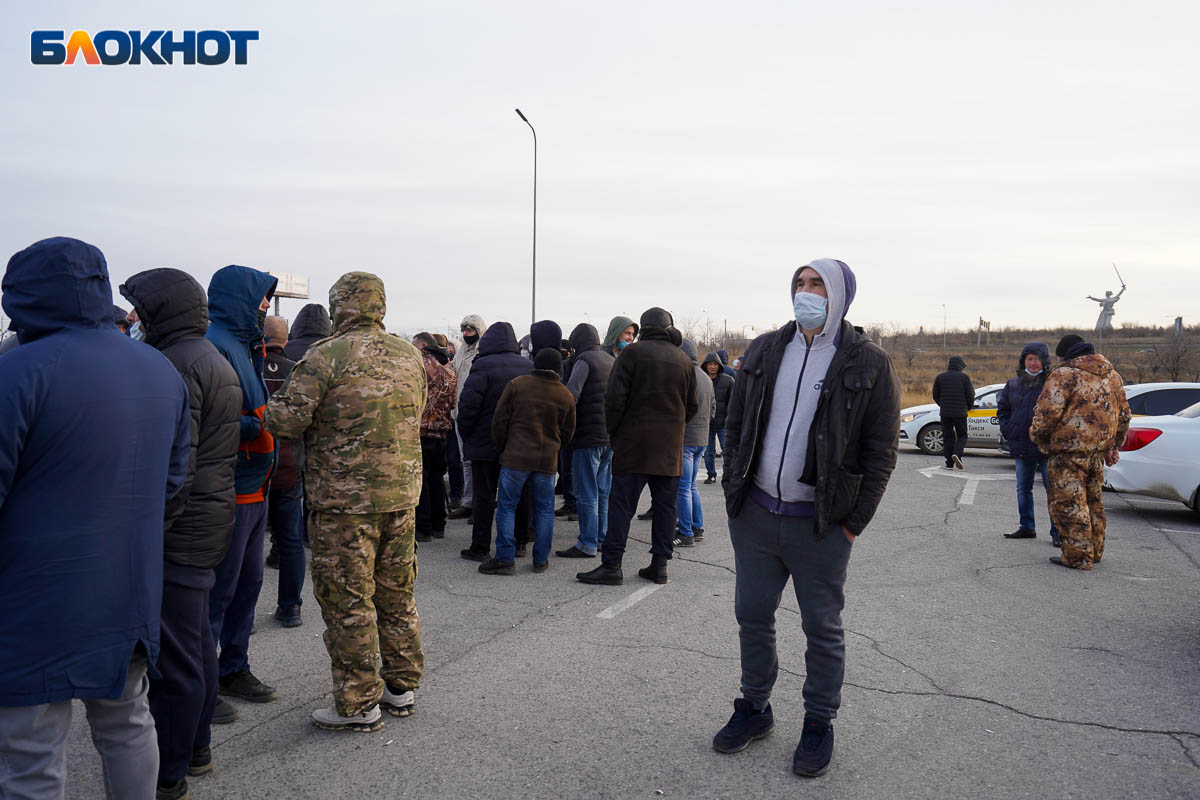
[1191, 412]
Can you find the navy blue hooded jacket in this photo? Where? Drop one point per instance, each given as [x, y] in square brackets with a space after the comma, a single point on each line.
[94, 440]
[724, 360]
[236, 329]
[1014, 406]
[498, 362]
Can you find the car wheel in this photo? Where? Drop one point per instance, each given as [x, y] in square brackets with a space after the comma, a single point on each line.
[929, 440]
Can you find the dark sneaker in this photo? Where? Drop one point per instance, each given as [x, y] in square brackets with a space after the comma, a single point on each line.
[288, 617]
[243, 684]
[564, 510]
[471, 555]
[424, 537]
[201, 762]
[521, 550]
[224, 712]
[745, 726]
[542, 567]
[815, 750]
[494, 567]
[711, 479]
[272, 559]
[647, 514]
[1056, 541]
[603, 575]
[685, 541]
[176, 791]
[462, 512]
[573, 552]
[1021, 533]
[439, 534]
[698, 534]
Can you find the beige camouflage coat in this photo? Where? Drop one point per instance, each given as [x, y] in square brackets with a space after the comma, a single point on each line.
[1082, 408]
[357, 399]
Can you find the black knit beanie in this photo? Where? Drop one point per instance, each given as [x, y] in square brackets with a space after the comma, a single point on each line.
[548, 359]
[1066, 343]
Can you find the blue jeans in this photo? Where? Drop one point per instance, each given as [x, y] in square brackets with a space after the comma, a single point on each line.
[710, 453]
[234, 595]
[591, 470]
[687, 507]
[508, 492]
[285, 511]
[1027, 468]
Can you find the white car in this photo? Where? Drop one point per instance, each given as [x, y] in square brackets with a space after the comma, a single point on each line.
[1161, 458]
[922, 426]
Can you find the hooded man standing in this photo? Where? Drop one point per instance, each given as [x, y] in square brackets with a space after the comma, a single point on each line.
[311, 325]
[1080, 421]
[651, 396]
[813, 427]
[357, 400]
[173, 311]
[471, 329]
[954, 394]
[441, 391]
[238, 300]
[622, 331]
[722, 389]
[94, 443]
[1014, 412]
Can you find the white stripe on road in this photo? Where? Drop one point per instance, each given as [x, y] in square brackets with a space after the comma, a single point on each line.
[967, 498]
[1176, 530]
[628, 602]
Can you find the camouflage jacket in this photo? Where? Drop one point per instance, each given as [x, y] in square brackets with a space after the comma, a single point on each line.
[443, 391]
[356, 398]
[1082, 408]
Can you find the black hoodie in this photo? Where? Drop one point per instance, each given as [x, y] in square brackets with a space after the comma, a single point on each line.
[952, 390]
[311, 325]
[497, 362]
[174, 313]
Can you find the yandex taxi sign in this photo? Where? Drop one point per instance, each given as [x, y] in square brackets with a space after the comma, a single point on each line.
[114, 47]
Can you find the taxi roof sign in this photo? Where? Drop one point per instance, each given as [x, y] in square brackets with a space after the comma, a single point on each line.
[291, 285]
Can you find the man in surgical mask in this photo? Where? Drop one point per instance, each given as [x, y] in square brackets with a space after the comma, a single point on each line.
[804, 473]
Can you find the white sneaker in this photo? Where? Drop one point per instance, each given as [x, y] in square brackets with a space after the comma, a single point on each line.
[400, 705]
[957, 462]
[329, 719]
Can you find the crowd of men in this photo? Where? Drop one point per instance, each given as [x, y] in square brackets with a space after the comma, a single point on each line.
[185, 426]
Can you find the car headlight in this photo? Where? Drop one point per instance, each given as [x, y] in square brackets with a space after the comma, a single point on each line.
[910, 417]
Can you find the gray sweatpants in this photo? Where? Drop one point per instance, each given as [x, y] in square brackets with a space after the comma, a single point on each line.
[768, 549]
[33, 744]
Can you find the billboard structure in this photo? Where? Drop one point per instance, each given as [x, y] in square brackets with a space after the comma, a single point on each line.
[290, 286]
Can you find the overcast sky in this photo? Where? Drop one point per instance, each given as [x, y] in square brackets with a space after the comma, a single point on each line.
[995, 157]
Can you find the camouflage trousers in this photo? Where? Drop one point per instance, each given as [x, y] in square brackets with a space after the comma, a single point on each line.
[364, 568]
[1076, 506]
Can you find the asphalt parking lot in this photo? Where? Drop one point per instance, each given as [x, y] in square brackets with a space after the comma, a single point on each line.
[974, 669]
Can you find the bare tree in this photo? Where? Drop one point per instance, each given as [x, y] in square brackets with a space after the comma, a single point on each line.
[1177, 357]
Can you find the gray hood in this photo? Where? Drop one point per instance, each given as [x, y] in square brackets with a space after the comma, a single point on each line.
[840, 285]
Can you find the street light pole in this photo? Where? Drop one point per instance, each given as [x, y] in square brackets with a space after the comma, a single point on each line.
[533, 293]
[943, 327]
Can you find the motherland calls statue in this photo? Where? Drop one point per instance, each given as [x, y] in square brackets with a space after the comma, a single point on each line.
[1104, 321]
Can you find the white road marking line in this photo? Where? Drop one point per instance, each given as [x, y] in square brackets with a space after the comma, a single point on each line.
[629, 602]
[1176, 530]
[967, 498]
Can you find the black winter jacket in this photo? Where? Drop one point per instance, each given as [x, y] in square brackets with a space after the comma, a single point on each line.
[1014, 405]
[173, 309]
[852, 443]
[722, 388]
[498, 362]
[952, 390]
[590, 430]
[311, 325]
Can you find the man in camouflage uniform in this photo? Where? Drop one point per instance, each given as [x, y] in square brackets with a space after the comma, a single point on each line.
[357, 399]
[1080, 420]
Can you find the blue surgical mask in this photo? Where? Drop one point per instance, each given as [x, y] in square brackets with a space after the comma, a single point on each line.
[136, 332]
[811, 310]
[622, 344]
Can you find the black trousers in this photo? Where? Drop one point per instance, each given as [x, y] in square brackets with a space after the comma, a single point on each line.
[622, 505]
[485, 478]
[431, 508]
[954, 437]
[187, 659]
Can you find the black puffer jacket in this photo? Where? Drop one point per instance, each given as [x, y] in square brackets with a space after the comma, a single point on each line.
[853, 440]
[590, 430]
[498, 362]
[311, 325]
[952, 390]
[722, 388]
[173, 309]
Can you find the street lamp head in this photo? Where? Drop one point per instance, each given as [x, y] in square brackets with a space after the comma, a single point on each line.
[522, 116]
